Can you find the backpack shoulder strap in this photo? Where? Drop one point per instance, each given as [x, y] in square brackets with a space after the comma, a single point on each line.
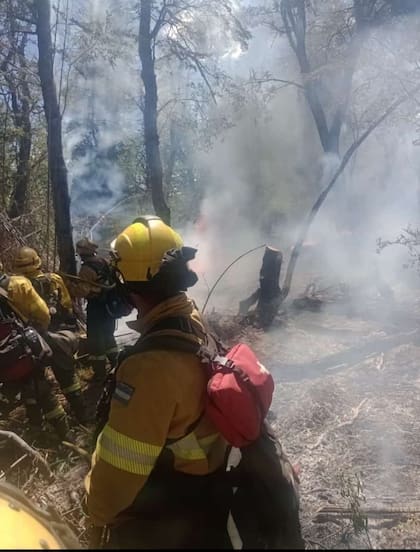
[42, 285]
[152, 342]
[4, 283]
[98, 264]
[104, 271]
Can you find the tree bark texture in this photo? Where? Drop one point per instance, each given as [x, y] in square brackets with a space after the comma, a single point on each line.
[269, 295]
[22, 117]
[56, 164]
[317, 205]
[154, 172]
[294, 19]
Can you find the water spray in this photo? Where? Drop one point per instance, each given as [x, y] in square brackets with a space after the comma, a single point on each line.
[226, 269]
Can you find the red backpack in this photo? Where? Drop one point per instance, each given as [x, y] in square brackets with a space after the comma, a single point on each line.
[21, 347]
[239, 394]
[16, 361]
[239, 388]
[265, 507]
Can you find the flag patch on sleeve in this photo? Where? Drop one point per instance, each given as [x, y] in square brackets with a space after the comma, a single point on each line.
[123, 392]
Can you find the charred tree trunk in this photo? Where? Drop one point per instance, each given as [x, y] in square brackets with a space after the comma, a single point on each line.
[269, 295]
[154, 170]
[22, 115]
[56, 164]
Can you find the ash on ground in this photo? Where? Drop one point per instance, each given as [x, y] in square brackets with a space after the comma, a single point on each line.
[346, 409]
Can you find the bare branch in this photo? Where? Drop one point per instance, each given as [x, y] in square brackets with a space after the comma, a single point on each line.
[160, 20]
[23, 444]
[346, 158]
[273, 79]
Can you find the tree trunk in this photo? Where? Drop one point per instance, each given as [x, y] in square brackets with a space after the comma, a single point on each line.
[317, 205]
[173, 154]
[154, 172]
[294, 20]
[269, 295]
[22, 115]
[56, 165]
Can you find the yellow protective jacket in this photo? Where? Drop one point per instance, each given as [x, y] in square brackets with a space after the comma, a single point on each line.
[27, 303]
[57, 286]
[159, 395]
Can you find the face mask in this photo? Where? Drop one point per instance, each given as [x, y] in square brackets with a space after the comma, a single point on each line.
[118, 302]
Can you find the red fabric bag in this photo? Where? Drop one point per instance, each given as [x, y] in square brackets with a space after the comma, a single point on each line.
[16, 362]
[239, 394]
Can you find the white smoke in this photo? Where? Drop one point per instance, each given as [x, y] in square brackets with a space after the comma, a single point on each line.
[101, 114]
[271, 162]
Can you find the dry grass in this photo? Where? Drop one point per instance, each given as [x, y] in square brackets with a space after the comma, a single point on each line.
[341, 415]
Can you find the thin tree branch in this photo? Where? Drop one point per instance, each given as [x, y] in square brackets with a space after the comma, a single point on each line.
[23, 444]
[160, 21]
[273, 79]
[346, 158]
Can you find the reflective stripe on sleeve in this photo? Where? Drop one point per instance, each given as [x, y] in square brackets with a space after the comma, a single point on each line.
[56, 413]
[126, 453]
[71, 388]
[97, 357]
[207, 442]
[112, 350]
[188, 448]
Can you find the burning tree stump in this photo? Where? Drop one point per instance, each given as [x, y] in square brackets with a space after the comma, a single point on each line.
[269, 295]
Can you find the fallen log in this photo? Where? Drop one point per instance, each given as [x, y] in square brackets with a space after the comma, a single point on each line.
[331, 513]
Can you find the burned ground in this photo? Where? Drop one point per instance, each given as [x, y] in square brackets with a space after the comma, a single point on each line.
[346, 408]
[353, 414]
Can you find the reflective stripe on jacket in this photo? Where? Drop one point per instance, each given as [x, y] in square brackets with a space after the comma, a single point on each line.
[159, 395]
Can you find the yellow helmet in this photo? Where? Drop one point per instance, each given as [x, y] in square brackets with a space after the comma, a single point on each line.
[139, 248]
[86, 247]
[26, 260]
[24, 526]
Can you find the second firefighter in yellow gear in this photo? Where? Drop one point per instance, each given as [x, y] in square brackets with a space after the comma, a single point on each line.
[157, 477]
[37, 392]
[60, 334]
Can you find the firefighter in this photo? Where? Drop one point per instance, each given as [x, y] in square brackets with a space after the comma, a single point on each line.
[144, 491]
[37, 392]
[26, 527]
[61, 336]
[101, 343]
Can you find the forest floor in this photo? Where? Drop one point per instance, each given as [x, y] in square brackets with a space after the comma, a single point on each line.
[346, 409]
